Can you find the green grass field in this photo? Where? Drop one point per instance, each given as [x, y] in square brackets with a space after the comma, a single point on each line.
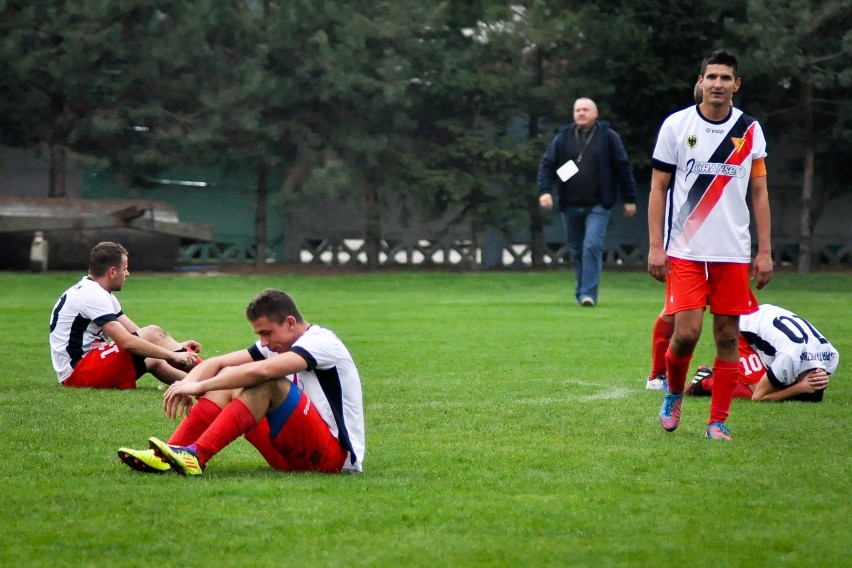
[505, 427]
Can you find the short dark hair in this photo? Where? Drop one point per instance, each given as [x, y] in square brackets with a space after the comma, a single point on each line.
[721, 57]
[273, 304]
[104, 256]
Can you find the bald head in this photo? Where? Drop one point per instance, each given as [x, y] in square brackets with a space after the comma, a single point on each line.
[585, 113]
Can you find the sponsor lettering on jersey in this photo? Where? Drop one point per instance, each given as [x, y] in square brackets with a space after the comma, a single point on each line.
[714, 169]
[821, 356]
[714, 191]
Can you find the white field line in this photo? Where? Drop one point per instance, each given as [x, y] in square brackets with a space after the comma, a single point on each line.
[611, 393]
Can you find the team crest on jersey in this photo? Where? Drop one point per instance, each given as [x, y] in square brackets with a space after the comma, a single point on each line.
[692, 141]
[738, 143]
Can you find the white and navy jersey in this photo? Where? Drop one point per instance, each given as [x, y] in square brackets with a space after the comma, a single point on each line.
[333, 385]
[787, 344]
[76, 324]
[707, 218]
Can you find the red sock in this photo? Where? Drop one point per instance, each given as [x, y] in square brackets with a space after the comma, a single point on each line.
[676, 369]
[742, 390]
[260, 439]
[660, 338]
[234, 421]
[725, 379]
[195, 423]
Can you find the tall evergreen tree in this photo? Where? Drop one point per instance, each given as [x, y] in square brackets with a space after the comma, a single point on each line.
[803, 51]
[68, 67]
[358, 67]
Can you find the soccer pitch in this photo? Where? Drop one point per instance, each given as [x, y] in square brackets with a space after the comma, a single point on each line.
[505, 427]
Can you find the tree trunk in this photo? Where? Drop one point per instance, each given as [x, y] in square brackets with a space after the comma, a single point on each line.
[471, 262]
[537, 244]
[536, 220]
[805, 229]
[372, 226]
[58, 171]
[260, 214]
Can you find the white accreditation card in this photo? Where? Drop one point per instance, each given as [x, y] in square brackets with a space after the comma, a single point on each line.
[567, 170]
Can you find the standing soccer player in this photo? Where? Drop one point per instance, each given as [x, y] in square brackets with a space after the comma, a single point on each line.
[705, 161]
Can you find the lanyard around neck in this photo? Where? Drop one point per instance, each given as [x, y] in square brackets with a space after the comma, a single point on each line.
[588, 140]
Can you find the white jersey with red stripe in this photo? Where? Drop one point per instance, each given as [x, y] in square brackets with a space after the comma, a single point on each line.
[707, 218]
[787, 344]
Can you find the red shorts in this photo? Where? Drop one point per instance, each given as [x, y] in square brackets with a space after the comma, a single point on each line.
[304, 440]
[724, 286]
[107, 367]
[751, 365]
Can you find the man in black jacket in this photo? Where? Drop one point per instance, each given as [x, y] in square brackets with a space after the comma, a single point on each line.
[590, 163]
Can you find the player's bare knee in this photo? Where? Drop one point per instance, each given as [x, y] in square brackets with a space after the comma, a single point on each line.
[152, 333]
[684, 342]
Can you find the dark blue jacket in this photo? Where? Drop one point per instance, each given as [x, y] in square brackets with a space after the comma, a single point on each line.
[616, 172]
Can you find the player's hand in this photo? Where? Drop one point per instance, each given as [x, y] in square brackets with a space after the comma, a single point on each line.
[816, 380]
[192, 345]
[545, 200]
[178, 406]
[184, 359]
[761, 269]
[658, 263]
[629, 210]
[177, 399]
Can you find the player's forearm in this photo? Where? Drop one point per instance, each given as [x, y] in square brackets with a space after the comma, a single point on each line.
[762, 215]
[778, 395]
[233, 378]
[205, 370]
[138, 346]
[656, 213]
[128, 324]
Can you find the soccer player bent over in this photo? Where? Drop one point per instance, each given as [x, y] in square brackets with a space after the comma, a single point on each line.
[295, 395]
[782, 357]
[707, 159]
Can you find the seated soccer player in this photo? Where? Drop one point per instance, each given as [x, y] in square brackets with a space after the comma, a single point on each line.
[295, 395]
[94, 344]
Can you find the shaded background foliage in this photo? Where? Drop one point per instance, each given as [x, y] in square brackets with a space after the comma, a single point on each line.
[445, 107]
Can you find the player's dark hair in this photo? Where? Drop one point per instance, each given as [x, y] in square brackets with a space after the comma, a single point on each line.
[274, 305]
[104, 256]
[721, 57]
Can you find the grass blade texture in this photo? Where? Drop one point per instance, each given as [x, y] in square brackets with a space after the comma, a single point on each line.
[506, 426]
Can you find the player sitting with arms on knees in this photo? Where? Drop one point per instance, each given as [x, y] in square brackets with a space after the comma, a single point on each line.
[782, 357]
[94, 344]
[295, 394]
